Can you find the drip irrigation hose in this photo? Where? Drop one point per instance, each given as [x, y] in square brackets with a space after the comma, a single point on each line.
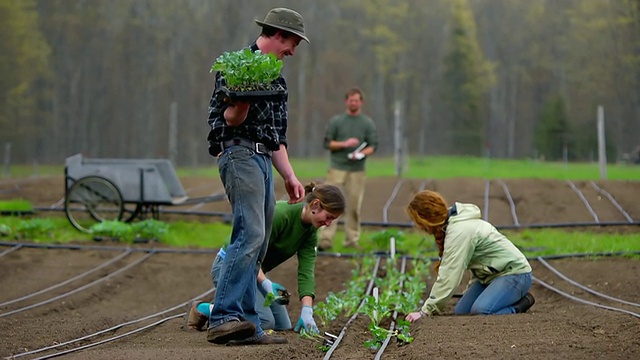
[584, 200]
[102, 279]
[394, 193]
[569, 296]
[113, 328]
[64, 352]
[111, 248]
[510, 200]
[374, 273]
[574, 283]
[9, 251]
[613, 201]
[330, 254]
[226, 215]
[68, 281]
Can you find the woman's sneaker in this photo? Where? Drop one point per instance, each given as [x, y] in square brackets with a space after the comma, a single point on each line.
[524, 304]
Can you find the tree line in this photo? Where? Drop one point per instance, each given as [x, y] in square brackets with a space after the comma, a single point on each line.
[508, 79]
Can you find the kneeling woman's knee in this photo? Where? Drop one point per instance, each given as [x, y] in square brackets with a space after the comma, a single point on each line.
[267, 322]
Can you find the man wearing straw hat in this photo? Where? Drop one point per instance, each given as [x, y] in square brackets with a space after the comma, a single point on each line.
[247, 139]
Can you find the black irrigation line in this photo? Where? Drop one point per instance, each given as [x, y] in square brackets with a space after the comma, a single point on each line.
[613, 201]
[403, 268]
[228, 216]
[394, 193]
[585, 288]
[111, 248]
[9, 251]
[584, 201]
[68, 281]
[571, 297]
[113, 328]
[328, 254]
[109, 339]
[81, 288]
[374, 274]
[511, 202]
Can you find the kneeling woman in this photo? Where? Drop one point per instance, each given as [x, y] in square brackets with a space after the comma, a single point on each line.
[293, 233]
[500, 273]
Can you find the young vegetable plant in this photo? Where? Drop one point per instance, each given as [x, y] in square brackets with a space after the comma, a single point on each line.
[246, 70]
[282, 298]
[322, 343]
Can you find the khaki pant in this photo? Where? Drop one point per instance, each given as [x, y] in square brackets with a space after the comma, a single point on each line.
[352, 184]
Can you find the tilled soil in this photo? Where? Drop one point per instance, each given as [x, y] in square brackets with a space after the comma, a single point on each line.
[556, 327]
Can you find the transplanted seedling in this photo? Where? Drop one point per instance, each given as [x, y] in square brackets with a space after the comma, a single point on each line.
[282, 298]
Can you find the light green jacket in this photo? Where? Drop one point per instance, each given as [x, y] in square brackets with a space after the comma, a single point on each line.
[474, 244]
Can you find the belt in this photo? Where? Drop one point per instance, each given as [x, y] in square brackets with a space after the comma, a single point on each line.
[259, 148]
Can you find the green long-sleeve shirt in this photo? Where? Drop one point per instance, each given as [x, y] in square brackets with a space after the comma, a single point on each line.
[474, 244]
[290, 236]
[345, 126]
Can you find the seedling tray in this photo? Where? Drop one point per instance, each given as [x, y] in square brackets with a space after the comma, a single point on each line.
[273, 93]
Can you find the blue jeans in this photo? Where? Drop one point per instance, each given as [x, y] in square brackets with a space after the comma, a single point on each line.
[274, 317]
[496, 298]
[248, 183]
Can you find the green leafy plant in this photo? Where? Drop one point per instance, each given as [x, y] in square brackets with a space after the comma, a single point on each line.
[35, 228]
[322, 344]
[282, 298]
[113, 229]
[381, 239]
[5, 230]
[246, 70]
[150, 229]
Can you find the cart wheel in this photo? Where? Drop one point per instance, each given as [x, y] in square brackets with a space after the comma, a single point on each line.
[131, 211]
[92, 199]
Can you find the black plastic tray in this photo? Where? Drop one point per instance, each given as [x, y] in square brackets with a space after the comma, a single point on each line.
[273, 94]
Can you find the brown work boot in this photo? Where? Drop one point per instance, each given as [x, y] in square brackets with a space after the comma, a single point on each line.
[524, 304]
[265, 340]
[195, 319]
[231, 330]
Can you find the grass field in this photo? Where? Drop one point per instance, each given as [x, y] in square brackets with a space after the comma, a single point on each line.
[443, 167]
[437, 167]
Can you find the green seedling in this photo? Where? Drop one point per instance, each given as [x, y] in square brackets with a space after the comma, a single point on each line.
[247, 70]
[323, 343]
[282, 298]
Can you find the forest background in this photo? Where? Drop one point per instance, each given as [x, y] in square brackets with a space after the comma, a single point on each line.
[499, 78]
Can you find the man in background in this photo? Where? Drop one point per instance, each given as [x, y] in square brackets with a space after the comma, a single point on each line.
[351, 138]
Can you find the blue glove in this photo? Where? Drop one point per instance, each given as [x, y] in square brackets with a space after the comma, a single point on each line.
[268, 286]
[306, 321]
[280, 292]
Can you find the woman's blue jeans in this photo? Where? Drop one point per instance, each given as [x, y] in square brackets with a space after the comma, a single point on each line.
[496, 298]
[248, 183]
[274, 317]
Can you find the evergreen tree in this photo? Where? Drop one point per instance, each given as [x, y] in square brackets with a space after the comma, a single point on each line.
[466, 77]
[552, 131]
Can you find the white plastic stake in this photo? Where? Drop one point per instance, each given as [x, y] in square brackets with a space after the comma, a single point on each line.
[375, 296]
[392, 247]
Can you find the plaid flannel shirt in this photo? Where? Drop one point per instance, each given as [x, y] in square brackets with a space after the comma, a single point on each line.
[266, 121]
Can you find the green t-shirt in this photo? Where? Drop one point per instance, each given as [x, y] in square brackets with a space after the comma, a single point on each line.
[344, 126]
[290, 236]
